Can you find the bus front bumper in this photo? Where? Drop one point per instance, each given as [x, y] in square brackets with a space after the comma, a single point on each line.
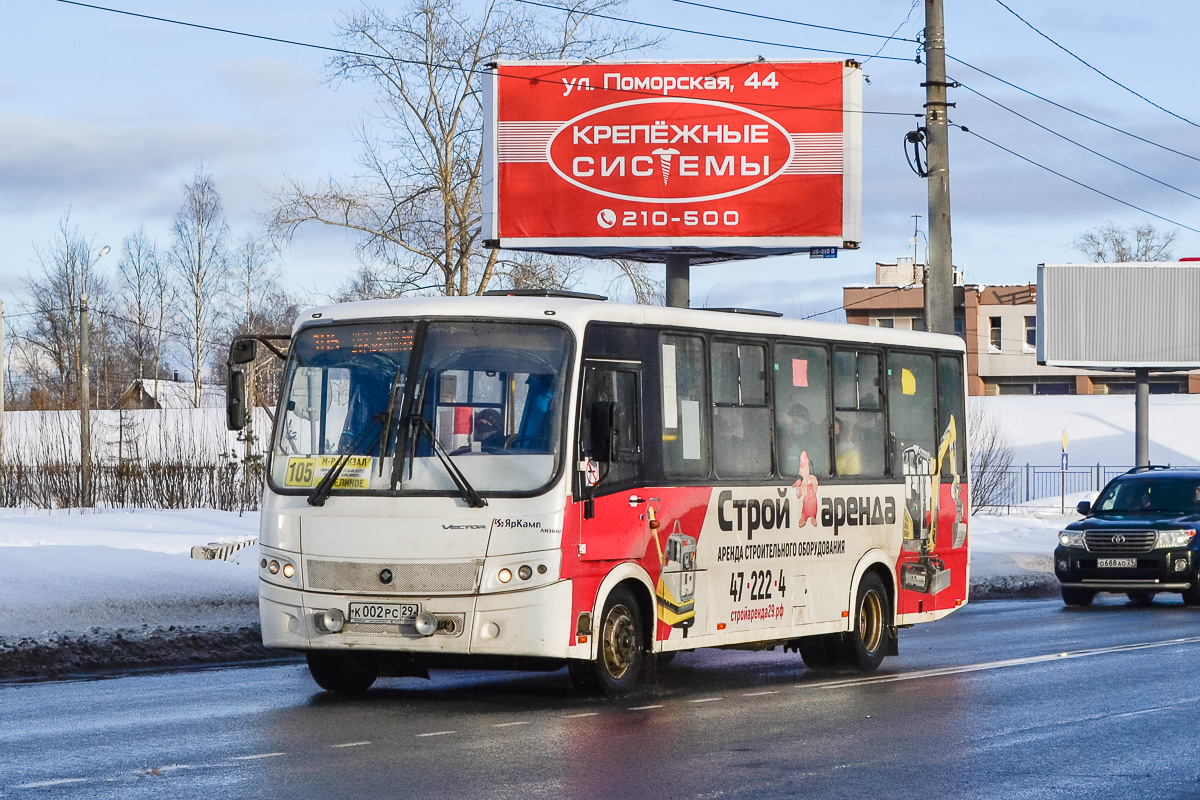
[533, 622]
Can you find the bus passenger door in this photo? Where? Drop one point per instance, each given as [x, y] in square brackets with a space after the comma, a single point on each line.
[614, 524]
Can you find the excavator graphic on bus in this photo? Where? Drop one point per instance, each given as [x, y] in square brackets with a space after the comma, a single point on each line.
[922, 489]
[675, 593]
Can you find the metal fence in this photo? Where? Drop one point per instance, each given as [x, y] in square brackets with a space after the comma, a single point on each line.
[1022, 484]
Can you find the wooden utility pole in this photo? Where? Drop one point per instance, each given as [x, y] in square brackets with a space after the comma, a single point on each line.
[85, 431]
[939, 280]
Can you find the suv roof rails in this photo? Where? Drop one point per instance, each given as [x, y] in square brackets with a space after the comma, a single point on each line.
[1147, 468]
[543, 293]
[754, 311]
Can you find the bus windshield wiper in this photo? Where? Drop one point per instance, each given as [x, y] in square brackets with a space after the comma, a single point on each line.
[473, 498]
[321, 493]
[395, 396]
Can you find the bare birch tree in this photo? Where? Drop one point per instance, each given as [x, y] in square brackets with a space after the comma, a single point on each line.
[416, 206]
[144, 293]
[49, 351]
[991, 458]
[199, 260]
[1109, 244]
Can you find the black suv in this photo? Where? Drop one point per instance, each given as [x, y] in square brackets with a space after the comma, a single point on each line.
[1139, 538]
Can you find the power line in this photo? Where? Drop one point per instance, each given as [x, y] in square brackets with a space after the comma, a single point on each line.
[794, 22]
[709, 34]
[903, 22]
[1071, 110]
[1108, 78]
[1072, 180]
[487, 72]
[1077, 144]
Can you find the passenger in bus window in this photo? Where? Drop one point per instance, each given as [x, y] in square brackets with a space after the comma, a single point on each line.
[848, 459]
[795, 435]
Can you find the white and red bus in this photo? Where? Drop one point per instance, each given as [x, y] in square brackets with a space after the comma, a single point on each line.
[533, 480]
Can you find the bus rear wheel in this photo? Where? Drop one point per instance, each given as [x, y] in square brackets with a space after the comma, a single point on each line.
[867, 642]
[344, 673]
[619, 652]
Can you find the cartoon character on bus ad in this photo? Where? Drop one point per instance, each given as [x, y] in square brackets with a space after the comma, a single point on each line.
[922, 495]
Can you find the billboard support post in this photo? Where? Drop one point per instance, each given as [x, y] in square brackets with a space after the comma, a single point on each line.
[678, 281]
[1141, 418]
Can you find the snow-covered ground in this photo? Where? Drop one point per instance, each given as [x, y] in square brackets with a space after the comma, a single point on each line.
[87, 591]
[96, 585]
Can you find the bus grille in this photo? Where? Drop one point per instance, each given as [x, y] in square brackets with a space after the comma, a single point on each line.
[1120, 542]
[356, 577]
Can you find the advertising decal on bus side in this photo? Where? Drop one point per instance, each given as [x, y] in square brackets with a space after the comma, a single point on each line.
[742, 559]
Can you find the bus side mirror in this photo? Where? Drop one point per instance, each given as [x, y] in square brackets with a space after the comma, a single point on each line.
[243, 351]
[602, 432]
[236, 413]
[1084, 508]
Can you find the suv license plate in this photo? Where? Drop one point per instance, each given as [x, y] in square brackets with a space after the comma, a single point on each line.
[1116, 562]
[383, 612]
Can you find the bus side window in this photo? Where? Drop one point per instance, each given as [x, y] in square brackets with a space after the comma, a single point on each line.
[910, 407]
[858, 436]
[618, 387]
[741, 419]
[684, 407]
[951, 405]
[802, 408]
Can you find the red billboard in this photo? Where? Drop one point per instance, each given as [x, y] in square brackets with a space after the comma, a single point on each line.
[636, 160]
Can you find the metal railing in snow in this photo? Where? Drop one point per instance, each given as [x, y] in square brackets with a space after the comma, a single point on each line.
[1016, 485]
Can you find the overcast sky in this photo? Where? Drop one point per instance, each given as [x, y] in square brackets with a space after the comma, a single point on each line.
[109, 116]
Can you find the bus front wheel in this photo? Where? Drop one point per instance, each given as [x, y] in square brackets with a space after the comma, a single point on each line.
[866, 643]
[344, 673]
[619, 651]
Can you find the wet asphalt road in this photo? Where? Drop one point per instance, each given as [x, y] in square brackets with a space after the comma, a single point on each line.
[1005, 699]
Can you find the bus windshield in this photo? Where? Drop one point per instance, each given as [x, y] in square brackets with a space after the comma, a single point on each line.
[389, 395]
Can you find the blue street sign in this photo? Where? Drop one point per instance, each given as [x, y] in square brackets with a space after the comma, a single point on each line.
[1064, 466]
[822, 252]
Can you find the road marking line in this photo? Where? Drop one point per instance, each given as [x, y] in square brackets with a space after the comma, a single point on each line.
[44, 784]
[644, 708]
[990, 665]
[759, 694]
[707, 700]
[510, 724]
[584, 714]
[435, 733]
[350, 744]
[259, 755]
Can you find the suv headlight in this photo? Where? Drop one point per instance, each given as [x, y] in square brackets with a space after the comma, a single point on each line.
[1070, 538]
[1181, 538]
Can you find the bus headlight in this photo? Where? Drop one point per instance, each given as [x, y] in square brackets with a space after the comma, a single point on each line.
[505, 575]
